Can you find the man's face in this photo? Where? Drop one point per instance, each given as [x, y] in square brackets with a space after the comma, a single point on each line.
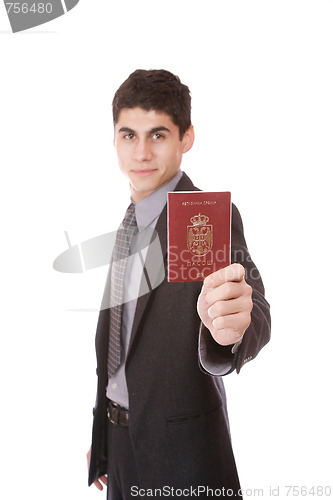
[149, 149]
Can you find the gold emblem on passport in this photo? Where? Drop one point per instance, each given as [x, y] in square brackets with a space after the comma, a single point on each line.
[199, 235]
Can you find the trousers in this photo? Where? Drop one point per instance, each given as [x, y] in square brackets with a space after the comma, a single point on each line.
[123, 478]
[122, 473]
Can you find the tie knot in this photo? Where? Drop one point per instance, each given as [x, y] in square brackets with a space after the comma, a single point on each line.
[129, 219]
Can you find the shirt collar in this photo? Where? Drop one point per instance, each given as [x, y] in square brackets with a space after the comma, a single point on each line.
[149, 208]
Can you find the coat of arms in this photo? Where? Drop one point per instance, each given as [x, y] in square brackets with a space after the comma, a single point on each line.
[199, 235]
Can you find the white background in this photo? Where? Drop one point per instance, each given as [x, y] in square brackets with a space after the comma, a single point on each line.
[261, 78]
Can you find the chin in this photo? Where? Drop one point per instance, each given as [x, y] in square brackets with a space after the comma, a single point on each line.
[139, 191]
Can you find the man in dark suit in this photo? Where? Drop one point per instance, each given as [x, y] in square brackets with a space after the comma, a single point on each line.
[160, 420]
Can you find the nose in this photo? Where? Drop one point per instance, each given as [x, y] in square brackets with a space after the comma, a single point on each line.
[142, 151]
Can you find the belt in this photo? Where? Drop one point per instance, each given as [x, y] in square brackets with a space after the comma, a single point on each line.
[117, 414]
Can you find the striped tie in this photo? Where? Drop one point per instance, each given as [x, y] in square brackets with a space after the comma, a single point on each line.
[121, 251]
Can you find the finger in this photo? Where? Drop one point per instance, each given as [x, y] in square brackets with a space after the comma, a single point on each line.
[98, 485]
[236, 322]
[234, 272]
[226, 307]
[104, 480]
[228, 291]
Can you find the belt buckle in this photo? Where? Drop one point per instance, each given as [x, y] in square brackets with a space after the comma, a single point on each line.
[113, 413]
[117, 415]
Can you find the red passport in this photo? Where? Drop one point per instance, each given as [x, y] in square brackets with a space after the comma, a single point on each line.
[199, 228]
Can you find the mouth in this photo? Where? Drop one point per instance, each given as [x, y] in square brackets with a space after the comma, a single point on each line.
[144, 172]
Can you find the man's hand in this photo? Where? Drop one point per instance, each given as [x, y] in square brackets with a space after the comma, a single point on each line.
[225, 304]
[100, 480]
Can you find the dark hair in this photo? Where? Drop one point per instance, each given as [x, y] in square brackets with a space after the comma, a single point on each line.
[157, 90]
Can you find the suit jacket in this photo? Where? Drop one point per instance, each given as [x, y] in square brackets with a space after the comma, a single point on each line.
[178, 421]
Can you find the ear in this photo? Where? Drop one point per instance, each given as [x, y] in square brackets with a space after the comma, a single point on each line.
[188, 139]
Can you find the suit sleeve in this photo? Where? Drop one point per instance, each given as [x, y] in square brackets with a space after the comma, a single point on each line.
[220, 360]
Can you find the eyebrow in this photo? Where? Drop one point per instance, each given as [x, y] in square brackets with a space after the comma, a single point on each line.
[154, 130]
[158, 129]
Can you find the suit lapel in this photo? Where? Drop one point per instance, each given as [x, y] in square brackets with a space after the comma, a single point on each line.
[185, 184]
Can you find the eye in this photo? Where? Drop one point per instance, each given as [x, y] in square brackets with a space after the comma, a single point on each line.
[157, 137]
[129, 136]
